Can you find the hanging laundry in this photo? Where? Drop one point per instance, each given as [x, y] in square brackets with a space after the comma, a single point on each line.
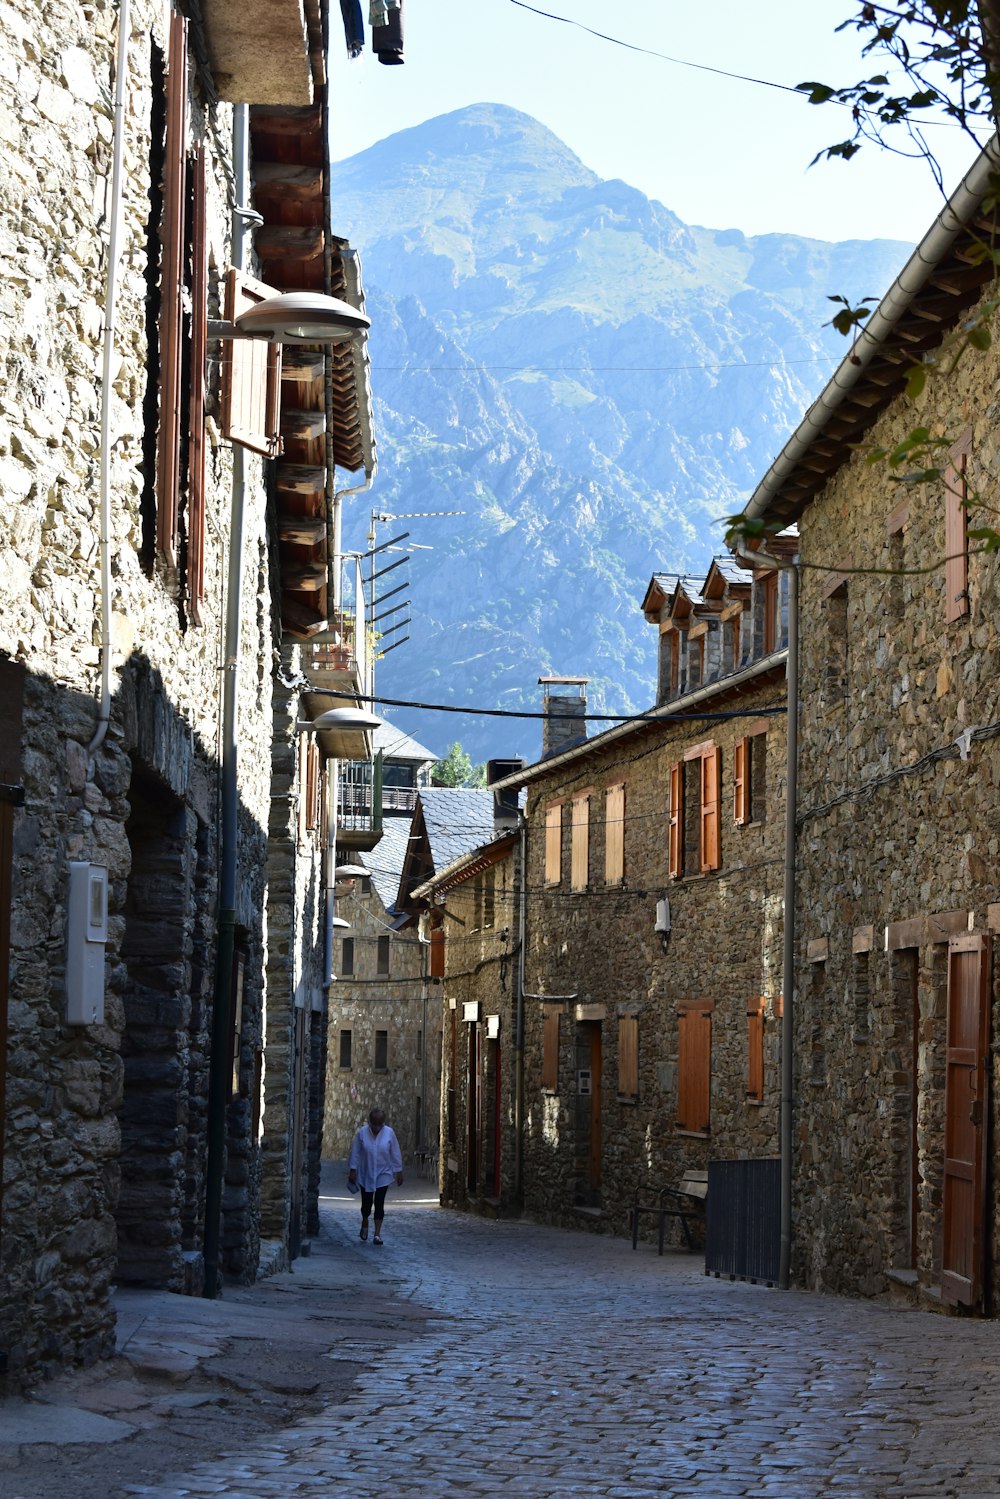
[354, 27]
[378, 13]
[387, 40]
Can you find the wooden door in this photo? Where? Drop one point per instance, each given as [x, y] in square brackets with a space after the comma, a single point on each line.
[298, 1124]
[596, 1060]
[964, 1205]
[472, 1097]
[11, 796]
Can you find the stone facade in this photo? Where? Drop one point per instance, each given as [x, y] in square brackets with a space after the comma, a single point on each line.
[106, 1123]
[474, 908]
[898, 847]
[385, 1032]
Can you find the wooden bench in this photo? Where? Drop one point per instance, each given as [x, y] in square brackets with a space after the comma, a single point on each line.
[686, 1202]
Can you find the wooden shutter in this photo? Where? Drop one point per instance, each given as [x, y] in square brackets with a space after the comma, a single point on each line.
[628, 1056]
[437, 952]
[550, 1049]
[196, 405]
[251, 375]
[675, 852]
[711, 787]
[755, 1050]
[965, 1122]
[770, 587]
[553, 844]
[956, 568]
[168, 453]
[614, 835]
[580, 843]
[694, 1068]
[741, 782]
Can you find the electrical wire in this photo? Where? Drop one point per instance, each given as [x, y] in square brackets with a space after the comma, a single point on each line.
[654, 717]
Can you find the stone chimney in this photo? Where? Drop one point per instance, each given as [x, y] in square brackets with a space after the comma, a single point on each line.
[564, 700]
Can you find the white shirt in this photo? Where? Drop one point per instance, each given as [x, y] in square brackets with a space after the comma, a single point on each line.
[376, 1158]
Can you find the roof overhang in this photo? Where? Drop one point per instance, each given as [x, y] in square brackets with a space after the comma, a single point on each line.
[263, 51]
[467, 867]
[940, 280]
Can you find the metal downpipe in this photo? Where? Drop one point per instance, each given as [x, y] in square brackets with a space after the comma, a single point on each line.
[788, 927]
[220, 1061]
[519, 1016]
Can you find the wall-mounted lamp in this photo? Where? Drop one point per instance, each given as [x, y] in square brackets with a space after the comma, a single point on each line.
[340, 718]
[338, 921]
[294, 317]
[662, 923]
[350, 872]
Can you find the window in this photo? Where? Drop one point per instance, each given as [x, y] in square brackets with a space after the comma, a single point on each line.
[550, 1049]
[347, 957]
[835, 651]
[694, 1065]
[861, 986]
[758, 776]
[580, 842]
[383, 957]
[381, 1051]
[420, 1045]
[628, 1057]
[696, 656]
[437, 952]
[956, 530]
[345, 1050]
[675, 854]
[741, 782]
[755, 1050]
[553, 843]
[708, 788]
[614, 835]
[489, 896]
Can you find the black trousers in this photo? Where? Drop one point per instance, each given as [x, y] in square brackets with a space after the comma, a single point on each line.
[378, 1197]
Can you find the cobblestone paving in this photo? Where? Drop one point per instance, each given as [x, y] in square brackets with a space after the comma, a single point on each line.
[561, 1364]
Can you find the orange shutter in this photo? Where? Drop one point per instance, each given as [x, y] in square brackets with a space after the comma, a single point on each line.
[694, 1069]
[711, 768]
[437, 952]
[770, 612]
[553, 844]
[956, 568]
[614, 835]
[675, 859]
[741, 782]
[550, 1050]
[964, 1231]
[755, 1050]
[628, 1057]
[168, 452]
[580, 843]
[251, 372]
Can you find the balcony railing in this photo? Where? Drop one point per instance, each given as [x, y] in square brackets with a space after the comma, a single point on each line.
[359, 798]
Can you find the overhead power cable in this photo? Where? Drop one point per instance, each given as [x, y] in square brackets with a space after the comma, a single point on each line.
[692, 717]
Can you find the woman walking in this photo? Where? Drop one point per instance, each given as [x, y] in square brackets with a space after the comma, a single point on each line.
[374, 1160]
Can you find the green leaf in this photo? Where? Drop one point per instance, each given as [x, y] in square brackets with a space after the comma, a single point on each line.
[915, 381]
[980, 338]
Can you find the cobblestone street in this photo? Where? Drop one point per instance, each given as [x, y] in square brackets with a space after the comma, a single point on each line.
[557, 1363]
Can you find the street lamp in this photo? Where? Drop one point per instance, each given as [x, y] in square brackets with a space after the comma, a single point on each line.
[294, 317]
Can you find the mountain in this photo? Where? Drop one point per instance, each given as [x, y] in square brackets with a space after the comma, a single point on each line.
[592, 382]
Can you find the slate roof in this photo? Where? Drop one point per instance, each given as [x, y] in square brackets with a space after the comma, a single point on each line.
[385, 860]
[396, 744]
[457, 820]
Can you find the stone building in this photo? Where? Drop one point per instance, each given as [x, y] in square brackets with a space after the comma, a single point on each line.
[896, 997]
[471, 924]
[385, 1033]
[161, 969]
[651, 935]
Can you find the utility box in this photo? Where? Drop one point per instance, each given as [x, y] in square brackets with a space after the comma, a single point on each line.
[86, 938]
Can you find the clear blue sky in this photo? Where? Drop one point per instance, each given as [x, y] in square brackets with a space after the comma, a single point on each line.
[715, 150]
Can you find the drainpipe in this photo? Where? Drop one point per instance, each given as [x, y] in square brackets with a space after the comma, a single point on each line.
[788, 913]
[110, 329]
[522, 885]
[220, 1061]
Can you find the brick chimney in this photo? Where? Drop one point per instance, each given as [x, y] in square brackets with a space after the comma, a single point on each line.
[564, 700]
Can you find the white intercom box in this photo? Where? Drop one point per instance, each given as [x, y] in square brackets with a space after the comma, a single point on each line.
[86, 936]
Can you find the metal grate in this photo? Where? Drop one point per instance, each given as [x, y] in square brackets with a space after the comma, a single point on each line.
[743, 1219]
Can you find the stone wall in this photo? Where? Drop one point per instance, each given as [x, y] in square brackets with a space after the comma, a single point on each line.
[105, 1120]
[898, 845]
[587, 1144]
[402, 1005]
[479, 1028]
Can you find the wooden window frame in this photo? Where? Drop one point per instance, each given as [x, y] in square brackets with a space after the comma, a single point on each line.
[628, 1058]
[580, 840]
[614, 834]
[742, 781]
[675, 836]
[710, 846]
[755, 1050]
[769, 594]
[251, 374]
[694, 1066]
[171, 326]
